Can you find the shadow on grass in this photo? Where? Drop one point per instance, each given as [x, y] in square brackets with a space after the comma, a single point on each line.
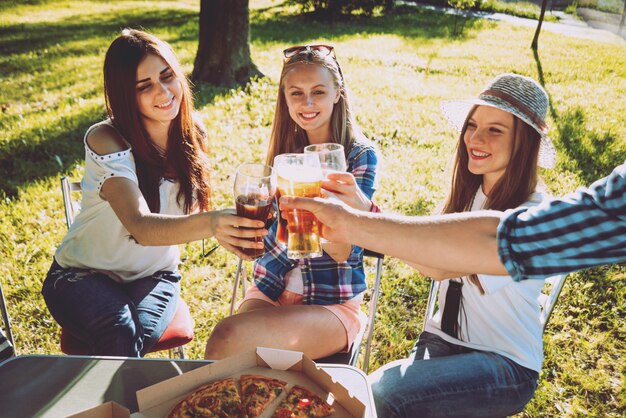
[35, 46]
[9, 4]
[408, 23]
[590, 155]
[29, 48]
[36, 155]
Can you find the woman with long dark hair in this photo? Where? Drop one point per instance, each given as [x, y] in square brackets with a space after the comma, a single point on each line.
[114, 281]
[481, 352]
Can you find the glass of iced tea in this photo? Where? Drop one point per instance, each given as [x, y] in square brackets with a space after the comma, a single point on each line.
[255, 186]
[299, 175]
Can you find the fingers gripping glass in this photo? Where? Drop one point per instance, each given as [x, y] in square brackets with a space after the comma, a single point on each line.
[332, 160]
[254, 189]
[322, 50]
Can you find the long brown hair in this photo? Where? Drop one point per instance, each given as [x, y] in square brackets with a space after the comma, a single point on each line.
[287, 136]
[513, 188]
[185, 159]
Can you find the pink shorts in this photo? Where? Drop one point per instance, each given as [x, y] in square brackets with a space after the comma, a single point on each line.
[347, 313]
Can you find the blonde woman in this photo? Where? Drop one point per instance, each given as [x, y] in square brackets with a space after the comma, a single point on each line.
[309, 305]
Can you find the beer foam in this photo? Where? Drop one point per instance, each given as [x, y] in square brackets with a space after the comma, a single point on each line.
[299, 174]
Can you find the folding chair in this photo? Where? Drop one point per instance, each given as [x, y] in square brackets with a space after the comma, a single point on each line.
[367, 321]
[180, 329]
[547, 299]
[7, 343]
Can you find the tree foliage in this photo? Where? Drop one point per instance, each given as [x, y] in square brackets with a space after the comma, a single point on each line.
[334, 9]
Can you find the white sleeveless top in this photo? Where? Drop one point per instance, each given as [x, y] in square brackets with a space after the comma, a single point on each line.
[98, 241]
[504, 320]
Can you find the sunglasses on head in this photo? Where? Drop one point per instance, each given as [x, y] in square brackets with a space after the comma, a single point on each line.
[323, 50]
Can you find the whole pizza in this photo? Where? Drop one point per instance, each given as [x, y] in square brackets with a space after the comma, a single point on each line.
[222, 399]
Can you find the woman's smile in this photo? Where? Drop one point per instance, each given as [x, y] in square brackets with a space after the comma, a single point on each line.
[309, 116]
[478, 155]
[167, 105]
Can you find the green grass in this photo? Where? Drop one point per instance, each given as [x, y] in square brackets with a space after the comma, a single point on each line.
[527, 9]
[610, 6]
[519, 8]
[399, 68]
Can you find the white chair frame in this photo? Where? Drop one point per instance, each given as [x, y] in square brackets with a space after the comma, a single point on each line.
[367, 328]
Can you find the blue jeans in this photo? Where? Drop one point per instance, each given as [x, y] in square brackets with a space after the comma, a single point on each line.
[441, 379]
[111, 318]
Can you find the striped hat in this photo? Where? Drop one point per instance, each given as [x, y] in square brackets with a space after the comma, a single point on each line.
[521, 96]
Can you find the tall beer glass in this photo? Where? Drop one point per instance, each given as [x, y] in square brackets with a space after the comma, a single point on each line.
[255, 186]
[332, 157]
[300, 175]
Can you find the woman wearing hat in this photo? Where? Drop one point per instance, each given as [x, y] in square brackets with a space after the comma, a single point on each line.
[481, 353]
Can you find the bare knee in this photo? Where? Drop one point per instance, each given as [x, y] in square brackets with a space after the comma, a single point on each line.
[224, 340]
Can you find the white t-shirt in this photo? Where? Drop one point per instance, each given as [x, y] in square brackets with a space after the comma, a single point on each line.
[98, 241]
[505, 320]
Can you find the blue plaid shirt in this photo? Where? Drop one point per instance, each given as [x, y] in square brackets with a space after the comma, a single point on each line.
[584, 229]
[326, 282]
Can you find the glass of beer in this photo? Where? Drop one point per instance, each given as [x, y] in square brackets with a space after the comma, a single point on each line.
[300, 175]
[255, 186]
[332, 157]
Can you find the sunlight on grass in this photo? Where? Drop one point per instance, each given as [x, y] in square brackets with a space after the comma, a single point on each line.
[399, 69]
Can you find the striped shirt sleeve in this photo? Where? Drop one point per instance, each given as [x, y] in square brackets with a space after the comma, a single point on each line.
[582, 230]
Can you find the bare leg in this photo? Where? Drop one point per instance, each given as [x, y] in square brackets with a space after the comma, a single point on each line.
[311, 329]
[254, 304]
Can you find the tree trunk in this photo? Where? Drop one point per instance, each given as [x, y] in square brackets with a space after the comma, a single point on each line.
[223, 56]
[535, 43]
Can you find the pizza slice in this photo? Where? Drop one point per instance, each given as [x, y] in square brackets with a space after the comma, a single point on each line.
[218, 399]
[302, 403]
[258, 392]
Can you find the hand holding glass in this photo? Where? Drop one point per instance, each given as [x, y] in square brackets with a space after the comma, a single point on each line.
[332, 159]
[255, 186]
[299, 175]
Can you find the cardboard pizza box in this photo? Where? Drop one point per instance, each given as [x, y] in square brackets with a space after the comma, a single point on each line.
[106, 410]
[157, 401]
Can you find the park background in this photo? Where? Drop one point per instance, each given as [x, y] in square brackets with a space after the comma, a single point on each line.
[399, 67]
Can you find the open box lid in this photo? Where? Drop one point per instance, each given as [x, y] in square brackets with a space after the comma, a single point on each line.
[106, 410]
[164, 395]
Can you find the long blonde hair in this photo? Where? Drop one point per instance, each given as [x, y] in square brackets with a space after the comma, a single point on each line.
[512, 189]
[287, 136]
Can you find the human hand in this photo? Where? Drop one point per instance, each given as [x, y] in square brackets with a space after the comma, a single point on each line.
[344, 186]
[334, 216]
[236, 232]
